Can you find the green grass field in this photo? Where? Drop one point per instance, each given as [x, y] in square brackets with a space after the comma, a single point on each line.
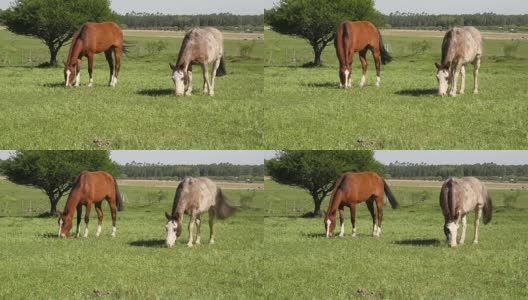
[305, 109]
[264, 251]
[37, 112]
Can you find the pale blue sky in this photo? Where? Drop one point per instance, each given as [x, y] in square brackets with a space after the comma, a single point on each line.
[257, 157]
[257, 6]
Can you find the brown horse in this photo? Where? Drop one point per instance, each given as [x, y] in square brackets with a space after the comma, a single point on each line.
[351, 189]
[201, 46]
[458, 197]
[359, 37]
[90, 39]
[195, 196]
[90, 188]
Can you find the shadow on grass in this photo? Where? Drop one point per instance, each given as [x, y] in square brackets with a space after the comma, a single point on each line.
[314, 235]
[419, 242]
[156, 92]
[49, 235]
[417, 92]
[332, 85]
[54, 85]
[155, 243]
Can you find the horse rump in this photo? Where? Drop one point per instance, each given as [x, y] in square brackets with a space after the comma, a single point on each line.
[222, 209]
[221, 71]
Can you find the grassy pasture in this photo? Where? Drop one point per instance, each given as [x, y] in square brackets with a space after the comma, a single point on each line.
[37, 112]
[409, 261]
[264, 251]
[136, 265]
[305, 109]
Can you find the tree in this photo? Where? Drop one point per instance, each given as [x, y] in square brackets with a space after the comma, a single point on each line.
[55, 21]
[54, 172]
[317, 20]
[317, 171]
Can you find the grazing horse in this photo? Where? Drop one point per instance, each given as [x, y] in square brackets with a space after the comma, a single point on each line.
[90, 188]
[458, 197]
[201, 46]
[461, 45]
[359, 37]
[195, 196]
[351, 189]
[90, 39]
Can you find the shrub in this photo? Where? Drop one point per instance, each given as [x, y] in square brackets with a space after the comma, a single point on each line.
[245, 50]
[510, 49]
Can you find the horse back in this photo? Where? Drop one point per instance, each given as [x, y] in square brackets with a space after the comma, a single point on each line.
[359, 34]
[99, 37]
[360, 186]
[95, 186]
[194, 194]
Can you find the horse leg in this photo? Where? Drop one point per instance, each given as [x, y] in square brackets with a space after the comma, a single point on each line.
[476, 67]
[348, 74]
[363, 60]
[377, 61]
[90, 68]
[379, 203]
[213, 76]
[342, 221]
[463, 233]
[113, 212]
[87, 218]
[478, 214]
[198, 223]
[370, 205]
[188, 90]
[117, 67]
[211, 220]
[462, 80]
[99, 212]
[207, 83]
[109, 59]
[79, 217]
[455, 79]
[191, 226]
[353, 218]
[78, 73]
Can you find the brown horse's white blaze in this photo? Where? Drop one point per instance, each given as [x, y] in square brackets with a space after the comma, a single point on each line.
[359, 37]
[461, 45]
[458, 197]
[351, 189]
[90, 188]
[195, 196]
[201, 46]
[90, 39]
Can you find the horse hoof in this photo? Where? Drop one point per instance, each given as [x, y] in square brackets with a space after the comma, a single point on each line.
[197, 243]
[211, 242]
[475, 242]
[189, 245]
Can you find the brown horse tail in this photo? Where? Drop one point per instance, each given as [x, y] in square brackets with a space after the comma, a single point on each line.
[119, 199]
[394, 204]
[385, 56]
[221, 71]
[488, 209]
[222, 209]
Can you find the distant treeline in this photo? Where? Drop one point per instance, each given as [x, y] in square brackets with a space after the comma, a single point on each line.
[487, 170]
[483, 21]
[225, 21]
[221, 171]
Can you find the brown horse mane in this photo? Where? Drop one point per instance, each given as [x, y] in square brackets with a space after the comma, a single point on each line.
[79, 35]
[183, 49]
[338, 184]
[447, 55]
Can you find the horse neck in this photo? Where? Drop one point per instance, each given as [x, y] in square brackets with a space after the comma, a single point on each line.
[75, 50]
[335, 200]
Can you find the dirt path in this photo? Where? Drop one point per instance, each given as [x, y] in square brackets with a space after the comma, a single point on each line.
[437, 184]
[490, 35]
[180, 34]
[173, 183]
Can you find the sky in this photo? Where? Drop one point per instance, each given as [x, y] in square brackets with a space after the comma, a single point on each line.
[254, 157]
[257, 6]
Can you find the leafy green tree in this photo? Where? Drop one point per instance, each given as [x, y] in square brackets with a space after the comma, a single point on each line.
[317, 171]
[54, 172]
[317, 20]
[55, 21]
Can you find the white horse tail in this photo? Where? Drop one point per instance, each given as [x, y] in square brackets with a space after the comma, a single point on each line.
[488, 209]
[221, 71]
[222, 209]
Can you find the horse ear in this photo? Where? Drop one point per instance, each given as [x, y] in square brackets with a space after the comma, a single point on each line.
[169, 217]
[173, 67]
[438, 66]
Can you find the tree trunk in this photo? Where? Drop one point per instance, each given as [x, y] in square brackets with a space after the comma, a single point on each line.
[317, 209]
[317, 56]
[53, 56]
[53, 209]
